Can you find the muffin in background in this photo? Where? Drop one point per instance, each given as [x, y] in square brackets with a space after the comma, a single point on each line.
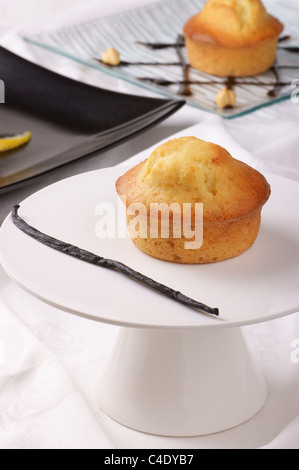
[232, 38]
[188, 170]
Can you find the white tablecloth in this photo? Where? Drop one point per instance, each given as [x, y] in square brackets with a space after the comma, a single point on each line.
[50, 361]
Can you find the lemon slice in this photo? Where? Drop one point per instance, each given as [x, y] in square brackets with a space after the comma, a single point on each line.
[12, 142]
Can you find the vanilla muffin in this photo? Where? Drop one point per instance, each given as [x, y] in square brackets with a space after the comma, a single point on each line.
[234, 38]
[188, 171]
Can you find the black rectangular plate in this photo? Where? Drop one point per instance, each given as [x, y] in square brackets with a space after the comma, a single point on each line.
[69, 120]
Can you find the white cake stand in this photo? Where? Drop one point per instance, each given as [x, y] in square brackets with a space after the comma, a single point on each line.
[174, 371]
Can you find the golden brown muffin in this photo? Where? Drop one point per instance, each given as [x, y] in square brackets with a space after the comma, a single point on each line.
[189, 171]
[232, 38]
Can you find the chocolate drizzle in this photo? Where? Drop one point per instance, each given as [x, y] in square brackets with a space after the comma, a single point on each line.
[184, 86]
[181, 43]
[274, 92]
[126, 64]
[284, 38]
[292, 49]
[113, 265]
[162, 45]
[230, 82]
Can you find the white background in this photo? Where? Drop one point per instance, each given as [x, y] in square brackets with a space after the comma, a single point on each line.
[52, 360]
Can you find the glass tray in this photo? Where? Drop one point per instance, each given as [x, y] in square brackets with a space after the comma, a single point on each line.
[162, 22]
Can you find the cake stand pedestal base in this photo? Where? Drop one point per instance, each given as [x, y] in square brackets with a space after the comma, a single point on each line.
[185, 382]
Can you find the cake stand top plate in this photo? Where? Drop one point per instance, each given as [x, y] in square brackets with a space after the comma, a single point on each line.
[259, 285]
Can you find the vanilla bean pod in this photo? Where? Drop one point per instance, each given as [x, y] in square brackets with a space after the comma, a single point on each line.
[117, 266]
